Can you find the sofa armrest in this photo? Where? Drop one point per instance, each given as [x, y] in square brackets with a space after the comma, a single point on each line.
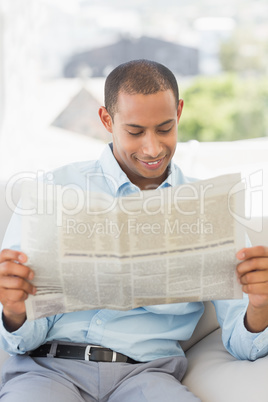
[216, 376]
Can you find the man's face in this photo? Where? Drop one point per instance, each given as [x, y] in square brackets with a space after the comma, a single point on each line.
[144, 134]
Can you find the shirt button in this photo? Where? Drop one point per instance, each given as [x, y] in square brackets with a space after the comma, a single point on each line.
[99, 322]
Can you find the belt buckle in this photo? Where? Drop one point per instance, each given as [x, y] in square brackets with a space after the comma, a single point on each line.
[88, 353]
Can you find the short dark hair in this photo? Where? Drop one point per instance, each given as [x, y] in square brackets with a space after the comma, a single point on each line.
[138, 77]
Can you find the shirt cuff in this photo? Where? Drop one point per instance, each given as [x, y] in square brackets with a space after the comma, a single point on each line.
[29, 336]
[256, 343]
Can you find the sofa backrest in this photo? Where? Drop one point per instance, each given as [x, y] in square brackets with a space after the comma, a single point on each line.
[5, 212]
[207, 324]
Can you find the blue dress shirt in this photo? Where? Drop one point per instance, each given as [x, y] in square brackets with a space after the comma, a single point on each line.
[144, 333]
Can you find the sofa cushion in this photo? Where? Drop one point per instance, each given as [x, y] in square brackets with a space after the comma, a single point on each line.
[216, 376]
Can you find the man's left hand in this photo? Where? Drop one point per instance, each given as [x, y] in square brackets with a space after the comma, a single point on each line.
[252, 273]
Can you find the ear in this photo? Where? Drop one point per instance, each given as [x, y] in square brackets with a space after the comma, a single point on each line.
[106, 119]
[179, 110]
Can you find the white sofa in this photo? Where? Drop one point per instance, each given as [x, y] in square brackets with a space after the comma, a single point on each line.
[213, 374]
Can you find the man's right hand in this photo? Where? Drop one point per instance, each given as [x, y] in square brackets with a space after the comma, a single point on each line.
[14, 287]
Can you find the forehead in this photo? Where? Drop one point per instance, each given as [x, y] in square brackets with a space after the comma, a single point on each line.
[157, 107]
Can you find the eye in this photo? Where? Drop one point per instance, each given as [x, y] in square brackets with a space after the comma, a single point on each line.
[165, 131]
[135, 134]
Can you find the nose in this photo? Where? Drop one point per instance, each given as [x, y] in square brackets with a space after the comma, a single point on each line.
[151, 145]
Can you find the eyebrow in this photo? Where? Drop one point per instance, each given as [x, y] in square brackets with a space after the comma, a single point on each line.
[159, 125]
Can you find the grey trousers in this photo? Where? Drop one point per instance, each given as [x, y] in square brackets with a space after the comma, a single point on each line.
[27, 379]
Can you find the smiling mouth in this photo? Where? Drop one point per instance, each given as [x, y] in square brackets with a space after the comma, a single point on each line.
[152, 163]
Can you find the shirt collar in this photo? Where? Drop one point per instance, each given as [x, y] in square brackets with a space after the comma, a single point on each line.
[112, 170]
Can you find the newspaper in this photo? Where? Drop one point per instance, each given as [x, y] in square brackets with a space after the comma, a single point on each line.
[170, 245]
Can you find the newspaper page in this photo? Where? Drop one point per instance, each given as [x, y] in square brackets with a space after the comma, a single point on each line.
[170, 245]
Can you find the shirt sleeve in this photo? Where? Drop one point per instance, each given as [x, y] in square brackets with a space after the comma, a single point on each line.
[32, 333]
[241, 343]
[28, 337]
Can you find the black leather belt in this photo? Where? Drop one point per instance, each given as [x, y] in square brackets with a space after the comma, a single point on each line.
[78, 351]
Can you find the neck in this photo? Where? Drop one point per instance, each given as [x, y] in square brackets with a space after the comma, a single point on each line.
[147, 184]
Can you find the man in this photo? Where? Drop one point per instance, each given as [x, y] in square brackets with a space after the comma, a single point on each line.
[142, 111]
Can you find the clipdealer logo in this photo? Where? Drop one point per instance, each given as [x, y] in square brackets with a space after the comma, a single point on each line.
[43, 196]
[252, 185]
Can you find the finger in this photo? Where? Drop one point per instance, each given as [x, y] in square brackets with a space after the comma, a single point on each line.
[8, 268]
[17, 283]
[250, 252]
[252, 264]
[9, 255]
[256, 289]
[14, 296]
[254, 277]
